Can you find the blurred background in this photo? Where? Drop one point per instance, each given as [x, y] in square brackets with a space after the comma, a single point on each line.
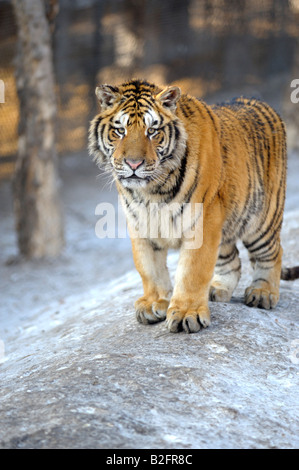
[213, 49]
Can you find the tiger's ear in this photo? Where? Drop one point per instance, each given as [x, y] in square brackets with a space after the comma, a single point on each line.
[107, 95]
[169, 97]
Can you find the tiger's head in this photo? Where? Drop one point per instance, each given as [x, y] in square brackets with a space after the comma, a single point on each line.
[137, 134]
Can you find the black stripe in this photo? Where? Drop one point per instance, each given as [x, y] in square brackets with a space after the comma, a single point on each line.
[191, 190]
[168, 176]
[257, 148]
[233, 270]
[164, 159]
[148, 103]
[269, 257]
[224, 153]
[267, 242]
[127, 203]
[227, 259]
[186, 198]
[103, 128]
[154, 246]
[130, 105]
[268, 150]
[170, 135]
[179, 181]
[98, 121]
[263, 107]
[261, 279]
[276, 216]
[186, 110]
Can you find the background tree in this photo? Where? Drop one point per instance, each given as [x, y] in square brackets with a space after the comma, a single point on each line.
[36, 199]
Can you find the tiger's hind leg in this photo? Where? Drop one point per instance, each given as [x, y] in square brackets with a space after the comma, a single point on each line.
[226, 274]
[265, 259]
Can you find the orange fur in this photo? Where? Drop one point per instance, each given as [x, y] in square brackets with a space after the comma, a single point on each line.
[163, 147]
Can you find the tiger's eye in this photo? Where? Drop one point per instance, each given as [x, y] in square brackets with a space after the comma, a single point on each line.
[151, 131]
[120, 130]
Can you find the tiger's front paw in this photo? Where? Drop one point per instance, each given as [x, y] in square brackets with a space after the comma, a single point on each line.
[149, 311]
[190, 320]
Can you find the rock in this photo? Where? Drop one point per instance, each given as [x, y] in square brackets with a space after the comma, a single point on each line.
[82, 373]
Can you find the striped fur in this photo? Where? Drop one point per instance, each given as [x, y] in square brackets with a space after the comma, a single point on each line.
[170, 149]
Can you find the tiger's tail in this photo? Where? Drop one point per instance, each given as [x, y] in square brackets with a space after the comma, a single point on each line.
[289, 274]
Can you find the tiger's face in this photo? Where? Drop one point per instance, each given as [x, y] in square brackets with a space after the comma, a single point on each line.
[137, 134]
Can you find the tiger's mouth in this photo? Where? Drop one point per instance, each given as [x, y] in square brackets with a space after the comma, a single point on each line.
[133, 181]
[134, 177]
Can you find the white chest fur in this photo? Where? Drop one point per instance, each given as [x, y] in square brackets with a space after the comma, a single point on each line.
[166, 225]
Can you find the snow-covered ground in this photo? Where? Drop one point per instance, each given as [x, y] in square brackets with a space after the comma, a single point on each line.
[77, 370]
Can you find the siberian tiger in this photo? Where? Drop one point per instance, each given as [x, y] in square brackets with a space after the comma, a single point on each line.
[165, 147]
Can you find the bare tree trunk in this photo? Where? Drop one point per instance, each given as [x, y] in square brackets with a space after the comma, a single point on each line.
[37, 205]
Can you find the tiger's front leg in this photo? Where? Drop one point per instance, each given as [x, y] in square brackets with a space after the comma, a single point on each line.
[188, 309]
[151, 264]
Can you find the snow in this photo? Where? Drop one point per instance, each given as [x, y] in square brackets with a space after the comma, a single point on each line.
[78, 371]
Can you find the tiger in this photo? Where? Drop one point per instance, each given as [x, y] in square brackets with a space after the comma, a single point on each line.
[165, 147]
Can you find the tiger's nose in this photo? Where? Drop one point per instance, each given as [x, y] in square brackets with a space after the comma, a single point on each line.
[133, 164]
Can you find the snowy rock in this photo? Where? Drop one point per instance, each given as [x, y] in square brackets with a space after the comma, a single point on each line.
[78, 371]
